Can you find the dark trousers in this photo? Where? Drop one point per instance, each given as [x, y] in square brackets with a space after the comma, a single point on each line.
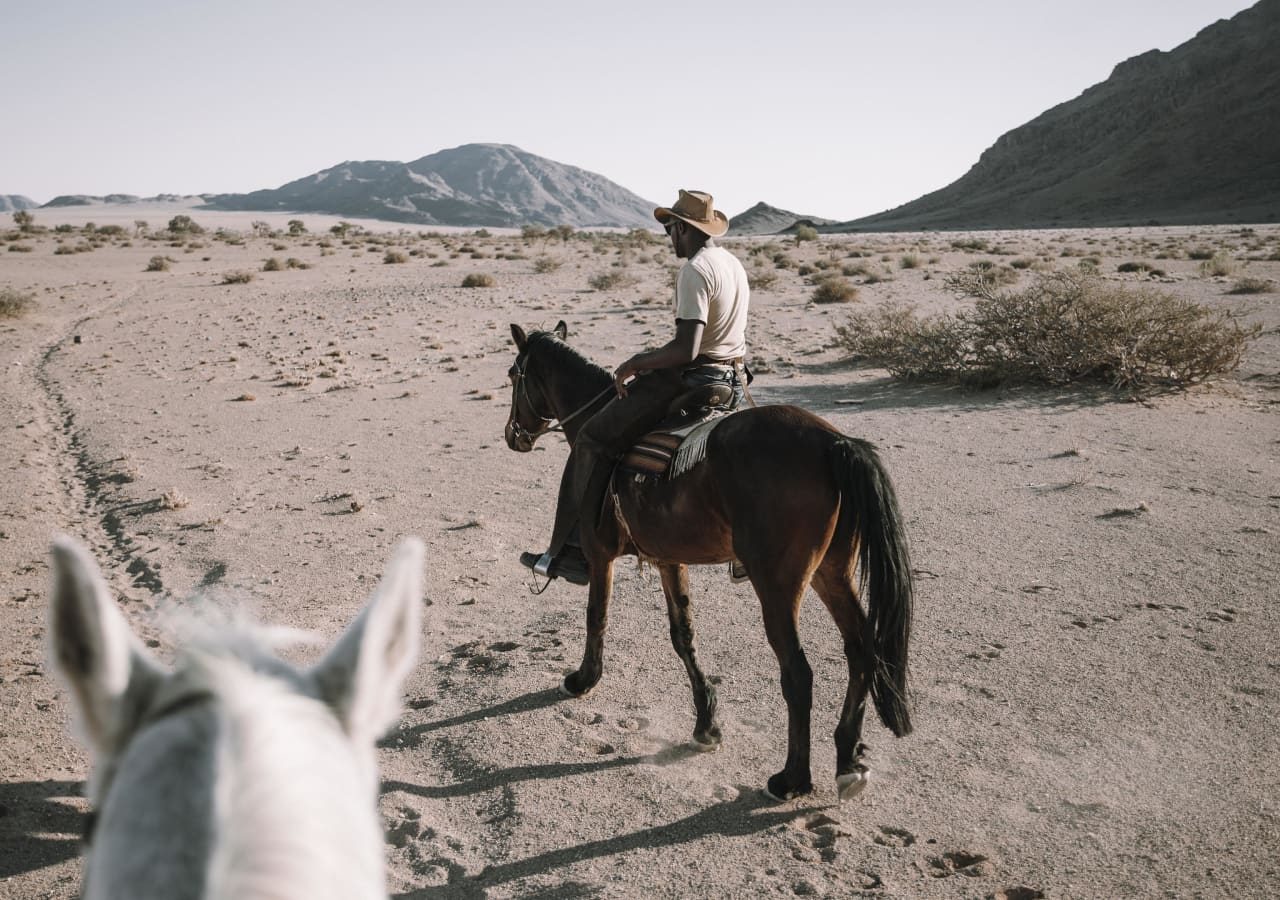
[602, 441]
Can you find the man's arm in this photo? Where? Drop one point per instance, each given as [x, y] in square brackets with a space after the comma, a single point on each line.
[679, 351]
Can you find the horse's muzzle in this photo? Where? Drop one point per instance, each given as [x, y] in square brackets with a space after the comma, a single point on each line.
[518, 439]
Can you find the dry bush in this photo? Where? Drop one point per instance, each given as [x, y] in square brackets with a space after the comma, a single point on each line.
[158, 264]
[608, 281]
[1219, 264]
[761, 279]
[834, 289]
[1065, 328]
[806, 233]
[13, 303]
[272, 265]
[392, 257]
[1252, 286]
[544, 265]
[478, 279]
[909, 261]
[238, 277]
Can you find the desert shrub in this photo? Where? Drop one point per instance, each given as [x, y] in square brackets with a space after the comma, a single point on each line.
[158, 264]
[272, 265]
[546, 264]
[20, 248]
[478, 279]
[978, 245]
[834, 289]
[184, 225]
[13, 303]
[761, 279]
[392, 257]
[1219, 263]
[608, 281]
[296, 227]
[24, 219]
[1252, 286]
[782, 261]
[1066, 328]
[294, 263]
[806, 233]
[1200, 253]
[909, 261]
[1021, 263]
[238, 277]
[992, 273]
[1133, 267]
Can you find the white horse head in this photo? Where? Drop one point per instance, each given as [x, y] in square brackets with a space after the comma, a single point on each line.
[234, 775]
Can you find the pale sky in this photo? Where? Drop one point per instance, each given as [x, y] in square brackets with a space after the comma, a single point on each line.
[834, 109]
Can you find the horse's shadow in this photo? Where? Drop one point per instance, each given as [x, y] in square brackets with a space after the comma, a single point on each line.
[749, 814]
[39, 825]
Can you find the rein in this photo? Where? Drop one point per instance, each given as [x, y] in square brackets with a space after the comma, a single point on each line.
[549, 425]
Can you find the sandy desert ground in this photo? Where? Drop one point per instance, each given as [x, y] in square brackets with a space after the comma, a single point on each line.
[1096, 694]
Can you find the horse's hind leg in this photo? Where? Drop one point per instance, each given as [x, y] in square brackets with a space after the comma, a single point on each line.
[834, 584]
[780, 604]
[675, 584]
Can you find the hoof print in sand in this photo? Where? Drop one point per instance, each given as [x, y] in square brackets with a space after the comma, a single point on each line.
[960, 862]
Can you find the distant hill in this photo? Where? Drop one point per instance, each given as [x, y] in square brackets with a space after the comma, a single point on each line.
[765, 219]
[473, 185]
[87, 200]
[1188, 136]
[14, 202]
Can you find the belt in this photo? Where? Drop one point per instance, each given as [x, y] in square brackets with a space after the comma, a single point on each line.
[704, 360]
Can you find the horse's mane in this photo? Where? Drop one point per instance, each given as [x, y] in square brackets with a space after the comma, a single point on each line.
[564, 355]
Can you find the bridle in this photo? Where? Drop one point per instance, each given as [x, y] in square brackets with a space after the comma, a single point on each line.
[520, 389]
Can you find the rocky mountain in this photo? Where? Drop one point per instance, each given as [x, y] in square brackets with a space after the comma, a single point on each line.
[14, 202]
[473, 185]
[765, 219]
[1188, 136]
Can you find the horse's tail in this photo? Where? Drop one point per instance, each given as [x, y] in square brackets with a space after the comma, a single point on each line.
[869, 513]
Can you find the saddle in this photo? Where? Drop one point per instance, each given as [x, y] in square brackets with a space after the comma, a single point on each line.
[679, 442]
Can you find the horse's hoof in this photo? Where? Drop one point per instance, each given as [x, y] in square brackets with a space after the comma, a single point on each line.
[851, 785]
[706, 743]
[779, 791]
[567, 689]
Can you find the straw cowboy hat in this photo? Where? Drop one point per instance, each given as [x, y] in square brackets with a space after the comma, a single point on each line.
[696, 208]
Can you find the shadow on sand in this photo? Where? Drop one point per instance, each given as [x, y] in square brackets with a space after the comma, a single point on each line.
[39, 825]
[749, 814]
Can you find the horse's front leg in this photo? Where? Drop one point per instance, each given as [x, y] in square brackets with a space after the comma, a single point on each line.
[588, 674]
[675, 584]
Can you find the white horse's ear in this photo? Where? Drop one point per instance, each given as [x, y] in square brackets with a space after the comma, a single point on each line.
[561, 330]
[363, 673]
[518, 335]
[95, 652]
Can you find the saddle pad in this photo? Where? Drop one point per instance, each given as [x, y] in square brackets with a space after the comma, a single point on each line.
[653, 454]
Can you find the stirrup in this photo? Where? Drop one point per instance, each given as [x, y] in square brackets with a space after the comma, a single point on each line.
[543, 565]
[737, 572]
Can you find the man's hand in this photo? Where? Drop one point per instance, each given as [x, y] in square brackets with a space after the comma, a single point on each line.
[623, 374]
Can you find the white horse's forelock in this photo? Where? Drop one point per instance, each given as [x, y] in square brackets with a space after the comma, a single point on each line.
[291, 788]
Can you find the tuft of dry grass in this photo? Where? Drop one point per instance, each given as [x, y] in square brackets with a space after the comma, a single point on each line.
[14, 303]
[835, 289]
[1068, 327]
[1219, 264]
[478, 279]
[158, 264]
[394, 257]
[544, 265]
[608, 281]
[237, 277]
[1252, 286]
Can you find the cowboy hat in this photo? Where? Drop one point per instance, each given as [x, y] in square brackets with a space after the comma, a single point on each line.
[696, 208]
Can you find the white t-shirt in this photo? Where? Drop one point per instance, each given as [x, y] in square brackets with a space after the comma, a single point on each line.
[712, 289]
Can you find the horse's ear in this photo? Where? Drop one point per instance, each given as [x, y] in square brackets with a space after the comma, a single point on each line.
[561, 330]
[92, 648]
[518, 335]
[362, 674]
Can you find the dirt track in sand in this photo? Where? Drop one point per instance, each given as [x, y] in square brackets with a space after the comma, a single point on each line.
[1096, 694]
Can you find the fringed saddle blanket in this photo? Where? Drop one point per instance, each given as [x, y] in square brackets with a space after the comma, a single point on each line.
[670, 453]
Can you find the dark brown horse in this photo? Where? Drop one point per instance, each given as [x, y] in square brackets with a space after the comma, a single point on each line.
[787, 495]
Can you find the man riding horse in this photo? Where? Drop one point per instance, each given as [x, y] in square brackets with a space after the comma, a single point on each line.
[711, 300]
